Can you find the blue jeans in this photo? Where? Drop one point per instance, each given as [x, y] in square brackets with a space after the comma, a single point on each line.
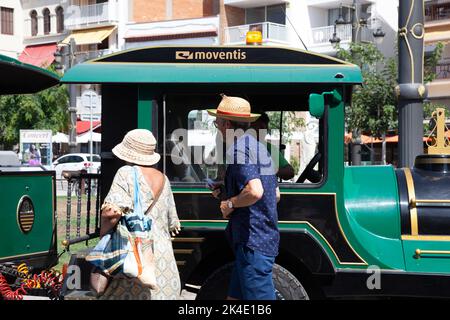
[251, 278]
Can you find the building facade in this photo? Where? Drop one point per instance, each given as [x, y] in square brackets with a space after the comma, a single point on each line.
[162, 22]
[437, 29]
[308, 24]
[11, 28]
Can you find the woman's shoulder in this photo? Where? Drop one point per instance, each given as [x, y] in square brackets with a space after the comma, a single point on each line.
[125, 170]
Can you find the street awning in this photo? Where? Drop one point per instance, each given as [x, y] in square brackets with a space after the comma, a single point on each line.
[437, 36]
[141, 35]
[60, 138]
[39, 56]
[20, 77]
[90, 36]
[86, 137]
[84, 126]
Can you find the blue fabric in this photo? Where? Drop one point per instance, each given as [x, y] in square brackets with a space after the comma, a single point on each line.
[109, 254]
[256, 226]
[251, 278]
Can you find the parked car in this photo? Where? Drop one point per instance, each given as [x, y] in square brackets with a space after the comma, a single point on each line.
[76, 162]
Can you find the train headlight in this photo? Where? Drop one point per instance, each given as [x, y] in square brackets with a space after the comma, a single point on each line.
[25, 214]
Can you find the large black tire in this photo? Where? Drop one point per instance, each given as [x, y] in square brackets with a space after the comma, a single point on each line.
[286, 284]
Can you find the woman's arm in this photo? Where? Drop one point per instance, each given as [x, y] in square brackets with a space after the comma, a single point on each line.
[119, 196]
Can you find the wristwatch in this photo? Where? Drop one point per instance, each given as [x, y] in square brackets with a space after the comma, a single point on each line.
[230, 204]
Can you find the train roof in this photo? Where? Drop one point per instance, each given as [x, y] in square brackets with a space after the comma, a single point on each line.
[218, 64]
[18, 77]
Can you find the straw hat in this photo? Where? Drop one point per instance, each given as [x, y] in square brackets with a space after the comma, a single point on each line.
[234, 109]
[138, 147]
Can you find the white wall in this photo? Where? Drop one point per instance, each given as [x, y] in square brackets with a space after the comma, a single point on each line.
[387, 13]
[299, 18]
[318, 17]
[11, 45]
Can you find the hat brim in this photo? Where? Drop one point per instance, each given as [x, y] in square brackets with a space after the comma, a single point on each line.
[251, 118]
[125, 154]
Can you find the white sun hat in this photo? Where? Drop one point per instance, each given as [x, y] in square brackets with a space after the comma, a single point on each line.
[138, 147]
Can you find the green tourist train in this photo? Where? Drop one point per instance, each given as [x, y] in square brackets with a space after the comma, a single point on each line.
[346, 231]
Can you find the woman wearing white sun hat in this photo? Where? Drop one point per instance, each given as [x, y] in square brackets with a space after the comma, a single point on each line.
[138, 150]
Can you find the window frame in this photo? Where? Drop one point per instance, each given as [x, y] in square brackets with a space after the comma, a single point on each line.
[59, 11]
[47, 21]
[323, 139]
[265, 14]
[34, 23]
[7, 21]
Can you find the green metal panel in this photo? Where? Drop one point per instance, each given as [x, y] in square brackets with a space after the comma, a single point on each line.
[145, 108]
[436, 262]
[373, 215]
[99, 72]
[39, 238]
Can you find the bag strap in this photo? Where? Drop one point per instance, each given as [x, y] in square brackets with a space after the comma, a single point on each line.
[155, 200]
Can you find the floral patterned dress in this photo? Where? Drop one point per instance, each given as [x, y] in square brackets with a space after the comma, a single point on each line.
[164, 219]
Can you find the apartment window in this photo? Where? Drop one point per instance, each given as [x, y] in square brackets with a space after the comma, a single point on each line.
[437, 11]
[7, 20]
[275, 14]
[34, 23]
[59, 20]
[46, 14]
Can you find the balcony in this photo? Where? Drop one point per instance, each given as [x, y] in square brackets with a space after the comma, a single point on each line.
[322, 35]
[90, 16]
[272, 33]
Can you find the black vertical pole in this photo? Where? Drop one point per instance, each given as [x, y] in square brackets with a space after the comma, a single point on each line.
[72, 101]
[411, 92]
[356, 38]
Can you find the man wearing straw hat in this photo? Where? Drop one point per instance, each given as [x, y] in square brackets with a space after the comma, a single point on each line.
[251, 203]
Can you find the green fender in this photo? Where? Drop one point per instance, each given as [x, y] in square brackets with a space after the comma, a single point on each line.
[373, 214]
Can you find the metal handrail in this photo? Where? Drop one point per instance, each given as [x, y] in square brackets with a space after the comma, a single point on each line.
[77, 179]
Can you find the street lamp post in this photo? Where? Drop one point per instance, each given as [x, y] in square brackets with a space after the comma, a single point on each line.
[410, 92]
[66, 60]
[357, 23]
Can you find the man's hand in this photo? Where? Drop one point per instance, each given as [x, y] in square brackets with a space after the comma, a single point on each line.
[216, 193]
[226, 211]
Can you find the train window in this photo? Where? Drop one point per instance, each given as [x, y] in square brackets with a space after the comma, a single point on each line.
[190, 148]
[195, 152]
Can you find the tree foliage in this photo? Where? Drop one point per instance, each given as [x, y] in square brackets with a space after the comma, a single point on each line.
[44, 110]
[373, 108]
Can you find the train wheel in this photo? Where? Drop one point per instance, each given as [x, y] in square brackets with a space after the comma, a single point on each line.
[287, 286]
